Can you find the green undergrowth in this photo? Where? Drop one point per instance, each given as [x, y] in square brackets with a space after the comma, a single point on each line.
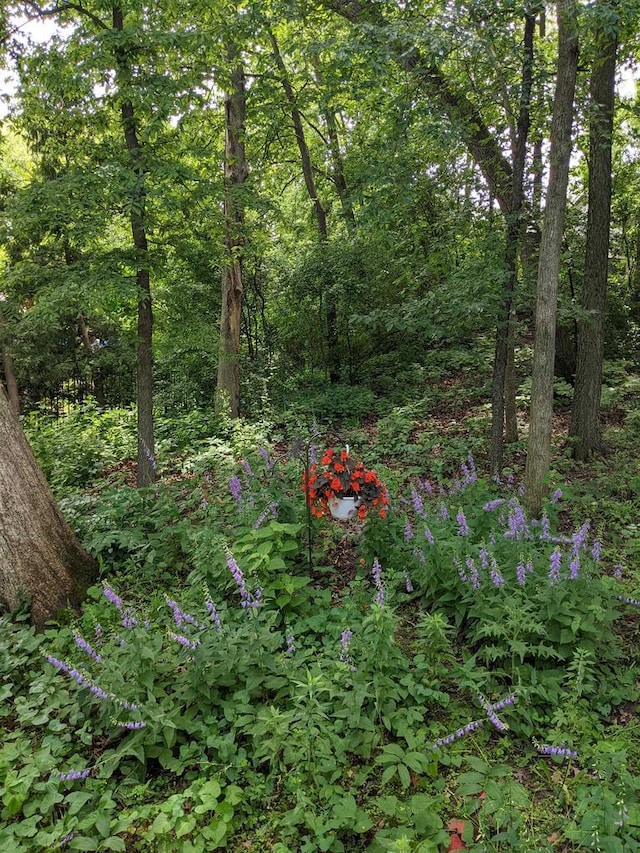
[250, 678]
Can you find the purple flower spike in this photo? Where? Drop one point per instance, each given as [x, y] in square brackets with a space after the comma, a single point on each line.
[496, 578]
[494, 504]
[521, 574]
[213, 613]
[81, 643]
[490, 711]
[555, 497]
[561, 751]
[463, 527]
[407, 582]
[596, 550]
[132, 725]
[408, 532]
[428, 535]
[416, 500]
[185, 641]
[74, 774]
[235, 487]
[111, 596]
[291, 644]
[554, 569]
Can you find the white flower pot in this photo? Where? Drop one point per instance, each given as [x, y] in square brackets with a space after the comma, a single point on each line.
[344, 508]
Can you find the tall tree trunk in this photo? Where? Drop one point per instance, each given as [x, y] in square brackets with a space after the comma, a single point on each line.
[144, 354]
[235, 175]
[9, 375]
[40, 557]
[331, 306]
[503, 402]
[585, 416]
[541, 410]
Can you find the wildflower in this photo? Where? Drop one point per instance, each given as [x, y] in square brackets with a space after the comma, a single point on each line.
[503, 703]
[426, 487]
[494, 504]
[408, 532]
[185, 641]
[376, 573]
[490, 711]
[460, 733]
[562, 751]
[247, 468]
[291, 646]
[463, 527]
[132, 725]
[428, 535]
[149, 455]
[554, 566]
[252, 600]
[407, 582]
[86, 647]
[596, 550]
[268, 462]
[271, 509]
[98, 631]
[213, 613]
[416, 500]
[574, 568]
[235, 487]
[544, 528]
[618, 571]
[313, 454]
[473, 573]
[345, 642]
[111, 596]
[66, 839]
[579, 538]
[128, 619]
[484, 558]
[631, 601]
[517, 523]
[236, 574]
[444, 512]
[555, 497]
[180, 617]
[73, 775]
[521, 574]
[496, 578]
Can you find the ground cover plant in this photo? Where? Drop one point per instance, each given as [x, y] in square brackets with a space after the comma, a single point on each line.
[450, 674]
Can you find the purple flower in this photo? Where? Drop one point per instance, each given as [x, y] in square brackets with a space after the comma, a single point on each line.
[463, 527]
[428, 535]
[72, 775]
[66, 839]
[272, 510]
[345, 642]
[503, 703]
[111, 596]
[426, 487]
[267, 459]
[444, 512]
[291, 644]
[86, 647]
[521, 574]
[460, 733]
[180, 617]
[252, 600]
[132, 725]
[494, 504]
[376, 573]
[574, 568]
[247, 468]
[419, 555]
[555, 497]
[98, 631]
[545, 525]
[236, 574]
[517, 523]
[562, 751]
[491, 714]
[408, 532]
[213, 613]
[631, 601]
[235, 487]
[313, 454]
[407, 582]
[579, 538]
[496, 578]
[416, 500]
[619, 571]
[596, 550]
[554, 566]
[128, 619]
[149, 455]
[484, 558]
[473, 573]
[185, 641]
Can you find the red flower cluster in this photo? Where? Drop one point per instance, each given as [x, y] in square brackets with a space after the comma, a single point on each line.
[339, 476]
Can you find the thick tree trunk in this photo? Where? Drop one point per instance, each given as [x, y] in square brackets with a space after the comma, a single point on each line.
[40, 557]
[235, 175]
[541, 411]
[585, 416]
[10, 380]
[144, 356]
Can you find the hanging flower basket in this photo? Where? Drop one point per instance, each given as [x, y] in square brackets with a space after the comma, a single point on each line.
[338, 477]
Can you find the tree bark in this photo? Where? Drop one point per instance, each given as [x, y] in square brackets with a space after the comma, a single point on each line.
[40, 558]
[146, 473]
[235, 175]
[585, 416]
[10, 380]
[541, 410]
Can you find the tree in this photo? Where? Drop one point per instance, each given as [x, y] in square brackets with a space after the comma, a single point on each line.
[585, 422]
[235, 175]
[39, 555]
[541, 409]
